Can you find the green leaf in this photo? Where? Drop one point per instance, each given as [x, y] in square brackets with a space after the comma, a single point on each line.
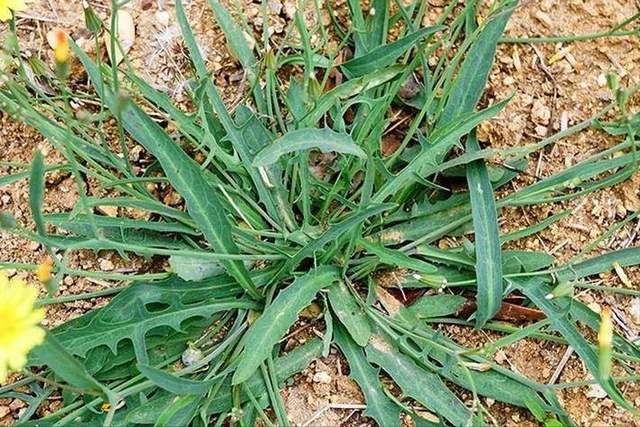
[515, 261]
[193, 269]
[274, 322]
[379, 407]
[36, 191]
[442, 140]
[398, 258]
[180, 412]
[350, 88]
[7, 221]
[80, 224]
[184, 173]
[599, 264]
[143, 307]
[385, 55]
[173, 383]
[234, 35]
[52, 353]
[324, 139]
[472, 77]
[350, 313]
[285, 366]
[415, 382]
[430, 306]
[488, 251]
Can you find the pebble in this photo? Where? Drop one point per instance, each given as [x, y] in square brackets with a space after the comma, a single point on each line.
[106, 265]
[322, 378]
[4, 411]
[540, 113]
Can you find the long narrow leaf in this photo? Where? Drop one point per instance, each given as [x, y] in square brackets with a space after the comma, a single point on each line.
[487, 243]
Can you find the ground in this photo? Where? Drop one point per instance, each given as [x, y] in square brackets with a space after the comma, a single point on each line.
[553, 86]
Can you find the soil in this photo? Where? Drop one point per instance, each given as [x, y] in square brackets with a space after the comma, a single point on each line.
[553, 86]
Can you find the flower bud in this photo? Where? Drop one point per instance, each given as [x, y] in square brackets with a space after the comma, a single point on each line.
[605, 342]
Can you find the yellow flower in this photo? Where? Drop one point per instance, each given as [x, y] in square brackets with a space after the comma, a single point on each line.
[43, 272]
[6, 6]
[60, 45]
[19, 330]
[605, 334]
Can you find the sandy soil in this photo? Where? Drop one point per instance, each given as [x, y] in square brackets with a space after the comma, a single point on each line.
[554, 85]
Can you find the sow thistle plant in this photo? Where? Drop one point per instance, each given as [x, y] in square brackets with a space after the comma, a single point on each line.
[262, 235]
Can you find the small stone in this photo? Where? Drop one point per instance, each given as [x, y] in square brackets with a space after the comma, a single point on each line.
[6, 199]
[106, 265]
[111, 211]
[544, 18]
[540, 113]
[34, 246]
[4, 411]
[322, 378]
[596, 392]
[541, 130]
[500, 357]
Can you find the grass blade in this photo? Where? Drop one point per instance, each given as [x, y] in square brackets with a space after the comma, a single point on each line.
[536, 290]
[488, 252]
[36, 192]
[474, 71]
[385, 55]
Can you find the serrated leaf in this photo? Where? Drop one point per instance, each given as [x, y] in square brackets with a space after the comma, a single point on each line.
[133, 313]
[415, 382]
[324, 139]
[385, 55]
[274, 322]
[487, 243]
[379, 407]
[350, 313]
